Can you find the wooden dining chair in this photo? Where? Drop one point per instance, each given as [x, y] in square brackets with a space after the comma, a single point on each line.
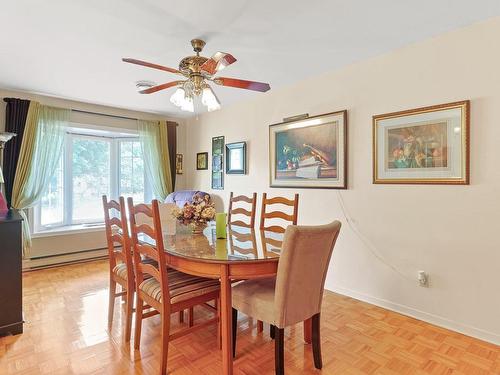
[287, 218]
[295, 295]
[164, 289]
[242, 211]
[121, 269]
[278, 217]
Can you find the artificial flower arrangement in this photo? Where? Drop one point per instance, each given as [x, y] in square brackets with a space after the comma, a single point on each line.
[197, 213]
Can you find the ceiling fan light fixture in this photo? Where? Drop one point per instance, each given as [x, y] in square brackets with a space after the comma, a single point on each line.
[177, 97]
[197, 72]
[209, 99]
[188, 104]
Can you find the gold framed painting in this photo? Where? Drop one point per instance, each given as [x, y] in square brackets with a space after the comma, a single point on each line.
[309, 152]
[428, 145]
[178, 164]
[201, 161]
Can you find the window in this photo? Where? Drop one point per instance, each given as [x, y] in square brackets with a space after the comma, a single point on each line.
[92, 165]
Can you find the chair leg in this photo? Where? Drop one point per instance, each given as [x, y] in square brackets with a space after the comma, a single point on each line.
[316, 341]
[279, 351]
[165, 338]
[181, 316]
[129, 310]
[234, 329]
[191, 317]
[111, 306]
[260, 326]
[138, 321]
[272, 331]
[219, 324]
[124, 296]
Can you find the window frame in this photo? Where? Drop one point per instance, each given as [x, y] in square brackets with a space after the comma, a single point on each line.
[114, 179]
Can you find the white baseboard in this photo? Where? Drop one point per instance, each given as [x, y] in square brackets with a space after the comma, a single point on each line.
[54, 260]
[437, 320]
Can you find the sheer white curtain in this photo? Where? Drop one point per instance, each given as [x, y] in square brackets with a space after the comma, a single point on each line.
[154, 142]
[41, 150]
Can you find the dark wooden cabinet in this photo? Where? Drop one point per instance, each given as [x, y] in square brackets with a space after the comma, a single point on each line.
[11, 290]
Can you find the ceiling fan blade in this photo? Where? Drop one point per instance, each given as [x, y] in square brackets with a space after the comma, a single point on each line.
[151, 65]
[161, 87]
[242, 84]
[217, 62]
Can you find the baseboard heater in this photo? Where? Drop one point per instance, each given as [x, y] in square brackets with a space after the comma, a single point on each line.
[63, 259]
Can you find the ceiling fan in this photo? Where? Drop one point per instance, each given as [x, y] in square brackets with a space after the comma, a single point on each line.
[199, 71]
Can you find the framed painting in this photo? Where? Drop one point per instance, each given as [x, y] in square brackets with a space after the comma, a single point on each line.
[427, 145]
[178, 164]
[236, 158]
[310, 152]
[201, 161]
[218, 163]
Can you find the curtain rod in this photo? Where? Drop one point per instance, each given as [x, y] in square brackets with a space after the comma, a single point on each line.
[114, 116]
[100, 114]
[104, 114]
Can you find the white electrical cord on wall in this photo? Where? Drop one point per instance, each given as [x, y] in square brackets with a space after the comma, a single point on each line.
[366, 242]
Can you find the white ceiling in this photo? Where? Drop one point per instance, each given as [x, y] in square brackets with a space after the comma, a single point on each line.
[73, 48]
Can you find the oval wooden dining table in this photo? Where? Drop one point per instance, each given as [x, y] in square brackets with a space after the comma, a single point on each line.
[244, 254]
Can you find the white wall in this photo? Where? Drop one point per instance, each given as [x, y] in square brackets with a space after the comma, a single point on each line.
[50, 245]
[448, 231]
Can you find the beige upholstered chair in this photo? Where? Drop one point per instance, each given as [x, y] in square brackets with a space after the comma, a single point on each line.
[296, 293]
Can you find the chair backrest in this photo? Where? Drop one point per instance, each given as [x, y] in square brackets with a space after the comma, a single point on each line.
[302, 271]
[166, 217]
[142, 249]
[276, 214]
[241, 211]
[242, 242]
[272, 242]
[117, 234]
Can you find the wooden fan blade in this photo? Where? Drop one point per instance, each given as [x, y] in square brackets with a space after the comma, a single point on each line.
[217, 62]
[242, 84]
[151, 65]
[161, 87]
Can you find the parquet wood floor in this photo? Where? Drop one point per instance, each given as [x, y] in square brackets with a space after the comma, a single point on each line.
[66, 333]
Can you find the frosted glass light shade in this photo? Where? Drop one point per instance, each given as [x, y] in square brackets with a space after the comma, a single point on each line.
[177, 98]
[209, 99]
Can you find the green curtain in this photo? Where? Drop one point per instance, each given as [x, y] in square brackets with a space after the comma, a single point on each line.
[154, 142]
[41, 150]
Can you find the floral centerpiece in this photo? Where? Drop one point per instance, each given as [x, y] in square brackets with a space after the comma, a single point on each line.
[197, 213]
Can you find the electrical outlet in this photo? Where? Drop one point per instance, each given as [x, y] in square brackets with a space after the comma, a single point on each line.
[423, 279]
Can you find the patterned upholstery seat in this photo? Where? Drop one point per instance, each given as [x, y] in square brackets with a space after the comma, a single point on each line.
[182, 286]
[121, 270]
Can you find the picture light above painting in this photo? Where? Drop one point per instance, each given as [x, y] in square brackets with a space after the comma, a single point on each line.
[309, 152]
[427, 145]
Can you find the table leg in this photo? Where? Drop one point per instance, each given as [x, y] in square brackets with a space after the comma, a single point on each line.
[308, 331]
[226, 310]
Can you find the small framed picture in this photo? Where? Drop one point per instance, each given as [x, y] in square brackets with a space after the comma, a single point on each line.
[178, 164]
[201, 161]
[236, 155]
[427, 145]
[218, 162]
